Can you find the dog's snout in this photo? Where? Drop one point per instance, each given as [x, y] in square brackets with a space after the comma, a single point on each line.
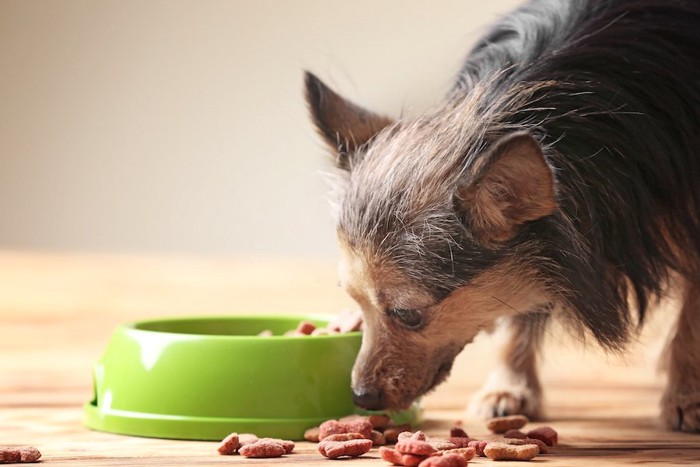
[368, 399]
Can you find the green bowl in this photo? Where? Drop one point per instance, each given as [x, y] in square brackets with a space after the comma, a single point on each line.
[203, 378]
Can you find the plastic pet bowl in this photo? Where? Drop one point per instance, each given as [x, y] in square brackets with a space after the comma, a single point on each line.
[203, 378]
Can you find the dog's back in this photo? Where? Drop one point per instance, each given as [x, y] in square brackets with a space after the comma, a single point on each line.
[615, 92]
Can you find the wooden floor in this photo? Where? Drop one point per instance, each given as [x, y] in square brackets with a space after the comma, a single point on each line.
[57, 312]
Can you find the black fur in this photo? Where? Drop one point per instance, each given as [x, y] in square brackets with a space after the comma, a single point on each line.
[621, 118]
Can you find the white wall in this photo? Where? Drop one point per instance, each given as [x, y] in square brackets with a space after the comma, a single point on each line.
[179, 126]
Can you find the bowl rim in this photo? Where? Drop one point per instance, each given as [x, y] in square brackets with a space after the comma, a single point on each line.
[133, 326]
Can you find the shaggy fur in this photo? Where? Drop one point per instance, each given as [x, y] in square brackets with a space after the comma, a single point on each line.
[566, 157]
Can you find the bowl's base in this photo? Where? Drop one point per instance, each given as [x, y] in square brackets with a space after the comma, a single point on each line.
[206, 428]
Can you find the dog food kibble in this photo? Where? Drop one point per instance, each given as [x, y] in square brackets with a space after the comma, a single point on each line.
[392, 433]
[441, 444]
[349, 448]
[311, 434]
[379, 421]
[519, 442]
[10, 455]
[446, 460]
[503, 424]
[306, 328]
[479, 446]
[546, 434]
[24, 454]
[467, 453]
[249, 445]
[262, 449]
[229, 445]
[507, 452]
[343, 437]
[460, 442]
[414, 446]
[331, 427]
[517, 434]
[247, 438]
[457, 432]
[391, 455]
[377, 437]
[286, 444]
[419, 435]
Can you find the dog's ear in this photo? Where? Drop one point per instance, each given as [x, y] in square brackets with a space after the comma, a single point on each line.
[512, 184]
[343, 125]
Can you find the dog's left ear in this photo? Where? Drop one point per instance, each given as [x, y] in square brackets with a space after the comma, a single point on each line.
[344, 126]
[512, 184]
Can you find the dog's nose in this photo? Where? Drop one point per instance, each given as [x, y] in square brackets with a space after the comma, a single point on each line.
[367, 399]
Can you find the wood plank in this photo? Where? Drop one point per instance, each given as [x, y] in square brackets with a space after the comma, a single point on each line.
[58, 310]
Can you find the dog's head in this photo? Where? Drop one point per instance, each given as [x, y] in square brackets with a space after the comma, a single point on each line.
[432, 220]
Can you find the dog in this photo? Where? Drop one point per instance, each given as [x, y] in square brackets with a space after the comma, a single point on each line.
[559, 177]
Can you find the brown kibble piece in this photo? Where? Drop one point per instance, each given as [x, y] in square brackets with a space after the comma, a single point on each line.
[343, 437]
[305, 328]
[503, 424]
[391, 455]
[412, 460]
[479, 445]
[331, 427]
[29, 454]
[379, 421]
[392, 433]
[467, 453]
[377, 437]
[517, 434]
[311, 434]
[419, 435]
[441, 444]
[545, 433]
[262, 449]
[229, 445]
[247, 438]
[457, 432]
[23, 454]
[415, 446]
[540, 444]
[349, 448]
[460, 442]
[507, 452]
[286, 444]
[446, 460]
[10, 455]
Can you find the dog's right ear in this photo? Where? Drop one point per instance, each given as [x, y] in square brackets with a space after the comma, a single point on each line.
[344, 126]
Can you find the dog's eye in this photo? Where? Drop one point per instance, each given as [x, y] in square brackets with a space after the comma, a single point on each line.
[412, 319]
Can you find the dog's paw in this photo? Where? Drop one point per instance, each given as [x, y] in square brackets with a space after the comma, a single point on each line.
[489, 403]
[681, 412]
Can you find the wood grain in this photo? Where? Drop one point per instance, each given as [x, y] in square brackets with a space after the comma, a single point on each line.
[57, 311]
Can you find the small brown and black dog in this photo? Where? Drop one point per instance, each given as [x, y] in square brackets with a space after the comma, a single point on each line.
[559, 177]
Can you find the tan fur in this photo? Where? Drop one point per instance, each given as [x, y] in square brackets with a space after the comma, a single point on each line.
[516, 187]
[404, 364]
[680, 405]
[513, 387]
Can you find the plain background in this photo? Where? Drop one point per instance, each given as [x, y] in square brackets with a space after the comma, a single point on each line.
[179, 126]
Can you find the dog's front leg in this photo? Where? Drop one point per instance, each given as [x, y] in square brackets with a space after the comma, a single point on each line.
[513, 387]
[680, 406]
